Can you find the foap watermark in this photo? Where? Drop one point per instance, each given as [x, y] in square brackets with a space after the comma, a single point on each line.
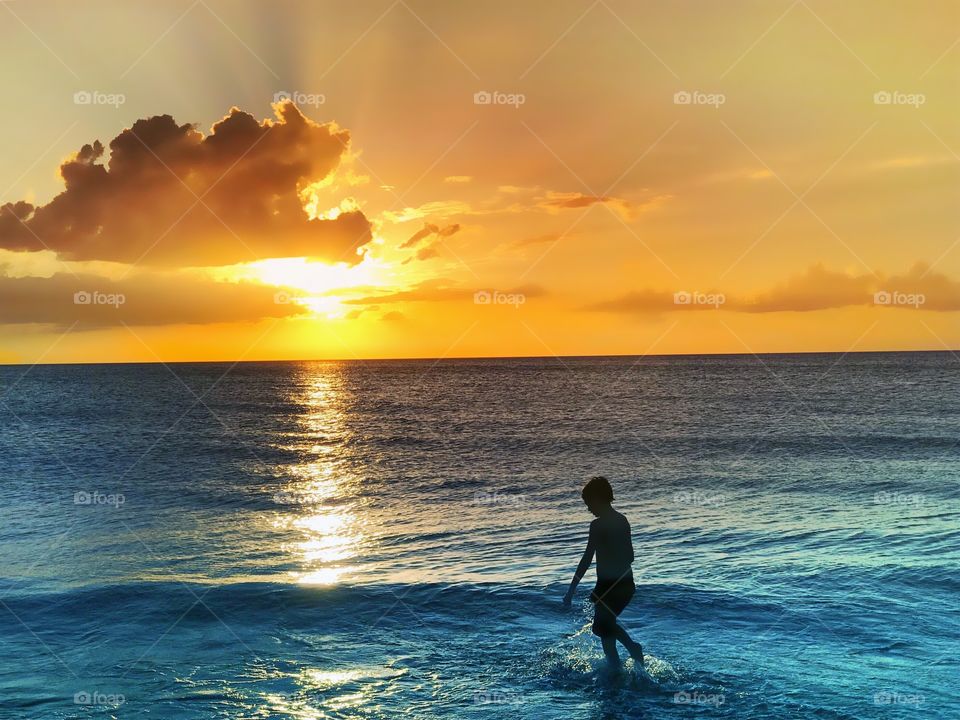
[483, 97]
[899, 498]
[697, 97]
[498, 498]
[896, 298]
[495, 697]
[98, 699]
[496, 297]
[695, 697]
[282, 297]
[95, 97]
[896, 97]
[895, 697]
[95, 297]
[715, 300]
[699, 498]
[298, 97]
[115, 500]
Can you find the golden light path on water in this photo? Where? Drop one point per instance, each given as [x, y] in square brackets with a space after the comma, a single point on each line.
[322, 515]
[324, 521]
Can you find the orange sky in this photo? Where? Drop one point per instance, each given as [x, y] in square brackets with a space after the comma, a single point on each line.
[240, 180]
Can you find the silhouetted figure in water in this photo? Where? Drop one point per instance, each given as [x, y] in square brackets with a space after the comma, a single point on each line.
[610, 540]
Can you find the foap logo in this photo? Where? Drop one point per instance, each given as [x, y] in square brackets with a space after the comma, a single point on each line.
[715, 300]
[701, 499]
[895, 298]
[495, 697]
[498, 498]
[895, 697]
[696, 97]
[298, 97]
[496, 297]
[483, 97]
[282, 297]
[99, 699]
[695, 697]
[895, 97]
[95, 97]
[899, 498]
[95, 297]
[82, 497]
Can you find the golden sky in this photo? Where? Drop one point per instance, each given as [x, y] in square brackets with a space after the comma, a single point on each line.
[227, 180]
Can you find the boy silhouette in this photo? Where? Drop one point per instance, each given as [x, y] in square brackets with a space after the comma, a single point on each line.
[610, 540]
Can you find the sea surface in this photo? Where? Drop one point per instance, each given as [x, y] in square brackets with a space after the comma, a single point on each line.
[393, 539]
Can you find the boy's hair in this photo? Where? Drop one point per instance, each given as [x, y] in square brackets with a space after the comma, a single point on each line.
[597, 489]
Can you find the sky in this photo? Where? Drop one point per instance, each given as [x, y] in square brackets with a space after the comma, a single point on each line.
[231, 180]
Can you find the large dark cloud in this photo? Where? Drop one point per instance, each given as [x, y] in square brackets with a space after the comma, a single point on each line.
[91, 301]
[141, 204]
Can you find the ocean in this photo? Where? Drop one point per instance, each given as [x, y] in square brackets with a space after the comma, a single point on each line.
[394, 538]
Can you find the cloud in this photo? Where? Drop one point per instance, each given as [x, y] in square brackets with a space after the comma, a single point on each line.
[568, 200]
[538, 239]
[458, 179]
[141, 203]
[821, 289]
[939, 292]
[424, 253]
[394, 316]
[92, 301]
[435, 290]
[815, 289]
[638, 301]
[556, 201]
[436, 208]
[441, 290]
[428, 230]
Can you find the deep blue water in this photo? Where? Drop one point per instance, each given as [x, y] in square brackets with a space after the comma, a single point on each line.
[371, 540]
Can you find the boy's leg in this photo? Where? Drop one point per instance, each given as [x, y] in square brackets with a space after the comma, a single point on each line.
[605, 627]
[634, 648]
[609, 643]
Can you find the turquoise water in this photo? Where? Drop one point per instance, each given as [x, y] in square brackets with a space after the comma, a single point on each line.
[370, 540]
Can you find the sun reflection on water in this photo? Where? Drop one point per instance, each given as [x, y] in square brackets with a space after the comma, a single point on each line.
[323, 516]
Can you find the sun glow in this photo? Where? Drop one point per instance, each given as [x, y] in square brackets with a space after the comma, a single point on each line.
[317, 285]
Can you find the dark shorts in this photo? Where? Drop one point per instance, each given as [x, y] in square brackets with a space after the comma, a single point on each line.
[610, 597]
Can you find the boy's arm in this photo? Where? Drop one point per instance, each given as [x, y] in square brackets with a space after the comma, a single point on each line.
[581, 568]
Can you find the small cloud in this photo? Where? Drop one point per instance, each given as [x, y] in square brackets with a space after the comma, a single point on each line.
[557, 201]
[437, 208]
[517, 189]
[458, 179]
[903, 162]
[435, 290]
[394, 316]
[538, 240]
[637, 302]
[429, 229]
[424, 253]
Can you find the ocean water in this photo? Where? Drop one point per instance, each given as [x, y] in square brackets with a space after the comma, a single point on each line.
[386, 539]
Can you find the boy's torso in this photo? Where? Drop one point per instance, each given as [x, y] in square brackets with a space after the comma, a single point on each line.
[611, 536]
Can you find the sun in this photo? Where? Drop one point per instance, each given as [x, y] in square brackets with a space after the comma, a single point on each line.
[320, 286]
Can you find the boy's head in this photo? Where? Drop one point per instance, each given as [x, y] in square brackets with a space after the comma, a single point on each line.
[597, 494]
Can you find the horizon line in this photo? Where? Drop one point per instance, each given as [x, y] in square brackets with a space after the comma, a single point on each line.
[438, 360]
